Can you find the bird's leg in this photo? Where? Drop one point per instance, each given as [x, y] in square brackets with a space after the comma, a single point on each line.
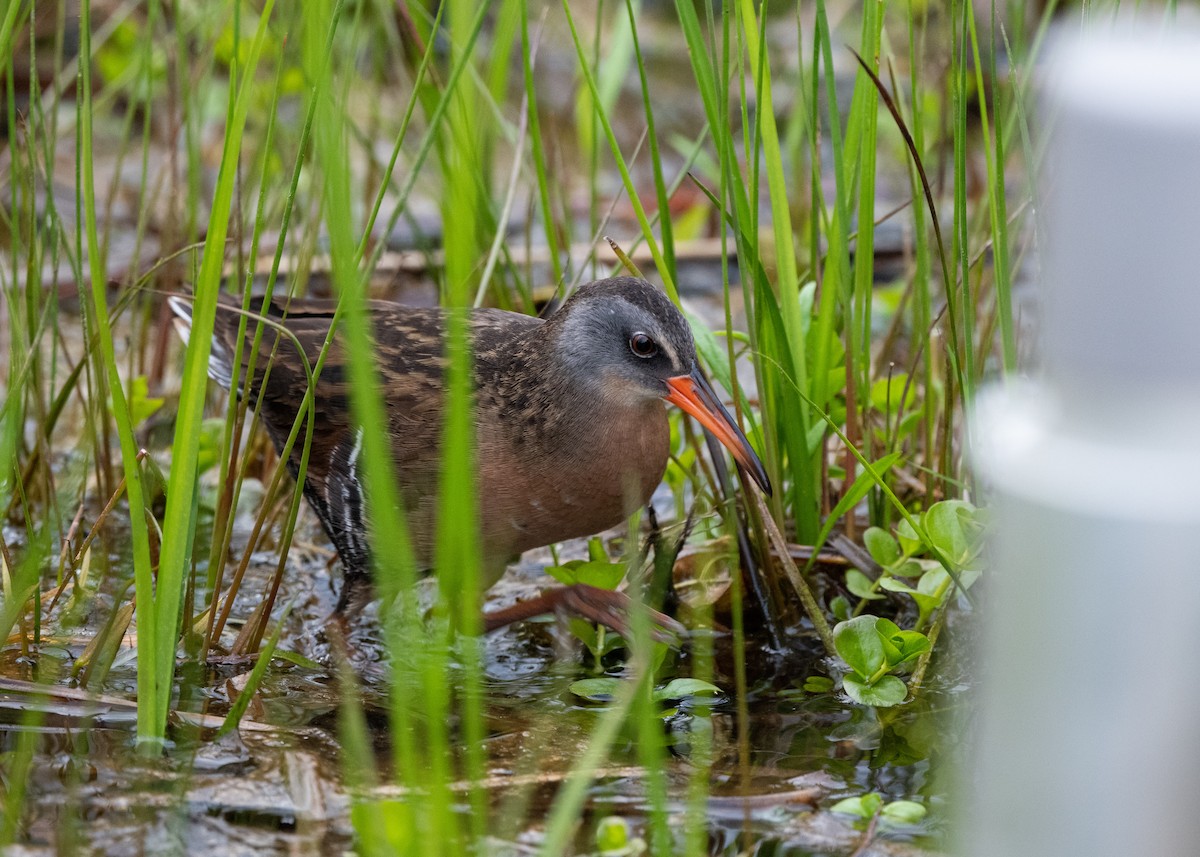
[602, 606]
[356, 594]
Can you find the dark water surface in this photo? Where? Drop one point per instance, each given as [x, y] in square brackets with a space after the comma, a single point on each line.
[277, 785]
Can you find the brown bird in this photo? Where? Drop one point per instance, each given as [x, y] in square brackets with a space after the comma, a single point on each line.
[571, 424]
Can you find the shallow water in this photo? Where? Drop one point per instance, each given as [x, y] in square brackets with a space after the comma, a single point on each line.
[277, 786]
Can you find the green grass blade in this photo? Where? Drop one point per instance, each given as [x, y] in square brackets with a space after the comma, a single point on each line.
[180, 515]
[155, 688]
[997, 196]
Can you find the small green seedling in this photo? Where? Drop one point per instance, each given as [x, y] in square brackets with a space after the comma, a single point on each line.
[614, 839]
[894, 398]
[599, 572]
[678, 690]
[955, 530]
[142, 405]
[873, 648]
[818, 684]
[865, 807]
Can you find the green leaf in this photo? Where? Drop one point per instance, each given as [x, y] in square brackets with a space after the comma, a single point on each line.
[862, 806]
[816, 433]
[932, 581]
[141, 406]
[904, 812]
[839, 606]
[886, 627]
[297, 659]
[208, 451]
[871, 803]
[585, 632]
[565, 573]
[600, 574]
[887, 630]
[910, 542]
[884, 549]
[612, 642]
[909, 568]
[850, 806]
[911, 644]
[899, 645]
[945, 529]
[893, 585]
[818, 684]
[681, 688]
[859, 644]
[886, 394]
[861, 585]
[596, 551]
[612, 834]
[837, 380]
[908, 422]
[926, 602]
[596, 689]
[886, 692]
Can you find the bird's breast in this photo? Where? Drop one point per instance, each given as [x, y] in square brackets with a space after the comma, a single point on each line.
[589, 478]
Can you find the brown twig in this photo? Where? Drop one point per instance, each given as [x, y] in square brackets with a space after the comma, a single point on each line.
[780, 546]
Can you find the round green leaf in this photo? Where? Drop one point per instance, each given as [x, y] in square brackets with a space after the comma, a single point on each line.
[893, 585]
[909, 568]
[904, 811]
[839, 607]
[884, 549]
[818, 684]
[900, 646]
[565, 573]
[932, 581]
[858, 643]
[910, 542]
[681, 688]
[850, 806]
[886, 627]
[602, 575]
[889, 395]
[596, 689]
[886, 692]
[861, 585]
[612, 834]
[945, 528]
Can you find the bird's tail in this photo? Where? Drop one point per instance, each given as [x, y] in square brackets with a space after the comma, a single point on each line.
[220, 357]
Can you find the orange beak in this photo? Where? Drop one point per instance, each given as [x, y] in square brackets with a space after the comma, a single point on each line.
[693, 395]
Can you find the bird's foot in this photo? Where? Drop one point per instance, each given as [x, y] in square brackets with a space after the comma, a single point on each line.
[602, 606]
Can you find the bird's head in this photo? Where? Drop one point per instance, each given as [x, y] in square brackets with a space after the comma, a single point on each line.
[627, 341]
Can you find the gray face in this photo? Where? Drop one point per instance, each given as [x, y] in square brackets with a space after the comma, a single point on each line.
[625, 337]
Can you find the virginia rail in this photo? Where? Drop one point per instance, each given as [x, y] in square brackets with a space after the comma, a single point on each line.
[571, 426]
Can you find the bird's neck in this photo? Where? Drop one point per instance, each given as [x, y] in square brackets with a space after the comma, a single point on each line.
[602, 422]
[567, 409]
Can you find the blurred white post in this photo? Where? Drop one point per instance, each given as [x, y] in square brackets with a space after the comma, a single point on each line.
[1090, 720]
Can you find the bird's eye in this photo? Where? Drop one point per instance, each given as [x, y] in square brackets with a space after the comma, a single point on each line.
[643, 346]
